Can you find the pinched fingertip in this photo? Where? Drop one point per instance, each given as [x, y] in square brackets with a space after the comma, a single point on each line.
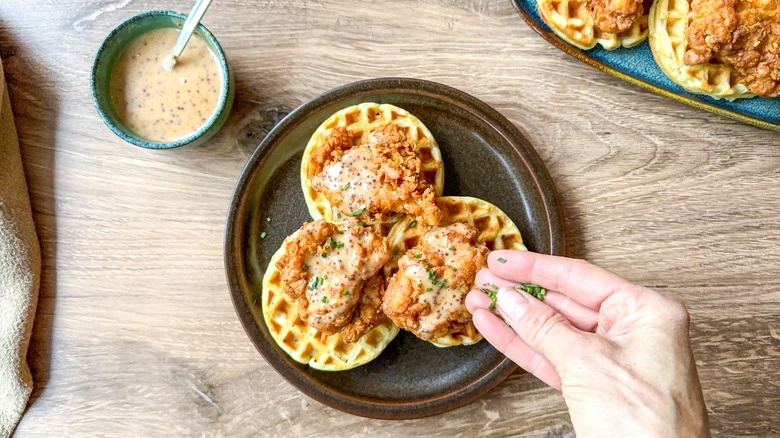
[477, 300]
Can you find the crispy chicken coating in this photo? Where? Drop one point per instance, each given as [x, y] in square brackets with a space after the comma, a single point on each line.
[427, 294]
[333, 276]
[615, 15]
[742, 33]
[373, 180]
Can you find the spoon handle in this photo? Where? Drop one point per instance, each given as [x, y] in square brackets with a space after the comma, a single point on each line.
[189, 25]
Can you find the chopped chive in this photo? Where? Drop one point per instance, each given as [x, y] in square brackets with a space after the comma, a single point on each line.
[263, 234]
[346, 186]
[355, 213]
[332, 243]
[428, 290]
[395, 251]
[338, 215]
[419, 285]
[494, 286]
[501, 260]
[346, 292]
[304, 267]
[268, 219]
[413, 224]
[417, 256]
[427, 266]
[324, 255]
[325, 277]
[454, 269]
[534, 290]
[324, 299]
[452, 248]
[340, 245]
[362, 224]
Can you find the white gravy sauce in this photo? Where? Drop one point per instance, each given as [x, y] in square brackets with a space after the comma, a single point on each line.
[336, 280]
[437, 292]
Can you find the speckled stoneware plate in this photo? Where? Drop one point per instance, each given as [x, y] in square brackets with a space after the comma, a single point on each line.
[636, 65]
[484, 156]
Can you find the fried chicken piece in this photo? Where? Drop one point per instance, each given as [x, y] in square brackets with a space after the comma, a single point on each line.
[332, 274]
[742, 33]
[376, 179]
[427, 295]
[615, 15]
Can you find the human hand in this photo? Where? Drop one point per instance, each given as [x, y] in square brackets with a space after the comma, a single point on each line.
[620, 353]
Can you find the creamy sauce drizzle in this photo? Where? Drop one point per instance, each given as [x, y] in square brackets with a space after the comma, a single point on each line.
[437, 292]
[160, 105]
[336, 280]
[355, 175]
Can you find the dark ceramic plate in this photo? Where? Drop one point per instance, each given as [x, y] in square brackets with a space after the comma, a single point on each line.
[484, 156]
[636, 65]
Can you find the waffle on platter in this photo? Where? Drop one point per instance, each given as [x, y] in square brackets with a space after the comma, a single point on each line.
[669, 21]
[572, 22]
[496, 231]
[308, 345]
[362, 120]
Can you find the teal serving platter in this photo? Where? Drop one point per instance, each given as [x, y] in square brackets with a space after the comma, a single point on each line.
[637, 66]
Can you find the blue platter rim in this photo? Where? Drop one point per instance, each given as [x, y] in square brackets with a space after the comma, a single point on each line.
[764, 113]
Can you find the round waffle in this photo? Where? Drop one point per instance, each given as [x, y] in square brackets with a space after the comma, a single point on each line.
[362, 120]
[308, 345]
[496, 231]
[669, 21]
[572, 22]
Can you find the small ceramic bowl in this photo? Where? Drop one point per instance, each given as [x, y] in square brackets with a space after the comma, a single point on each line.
[112, 48]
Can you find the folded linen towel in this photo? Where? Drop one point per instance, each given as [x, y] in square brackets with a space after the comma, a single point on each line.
[20, 272]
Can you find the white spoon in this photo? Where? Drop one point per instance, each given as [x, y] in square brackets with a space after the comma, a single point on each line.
[186, 32]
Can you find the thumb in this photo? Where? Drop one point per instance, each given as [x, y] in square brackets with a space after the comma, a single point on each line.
[539, 325]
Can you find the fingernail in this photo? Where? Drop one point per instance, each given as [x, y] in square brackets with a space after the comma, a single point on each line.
[511, 302]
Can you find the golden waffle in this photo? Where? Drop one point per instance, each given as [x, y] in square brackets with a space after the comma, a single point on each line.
[308, 345]
[572, 22]
[362, 120]
[496, 230]
[669, 21]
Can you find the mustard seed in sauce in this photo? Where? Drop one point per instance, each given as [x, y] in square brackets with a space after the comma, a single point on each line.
[160, 105]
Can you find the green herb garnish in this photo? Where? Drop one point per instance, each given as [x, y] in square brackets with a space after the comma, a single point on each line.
[452, 248]
[501, 260]
[263, 234]
[413, 224]
[304, 267]
[346, 292]
[268, 219]
[346, 186]
[492, 295]
[417, 256]
[325, 299]
[338, 215]
[534, 290]
[355, 213]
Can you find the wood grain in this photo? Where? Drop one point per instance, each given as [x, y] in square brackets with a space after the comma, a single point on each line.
[135, 333]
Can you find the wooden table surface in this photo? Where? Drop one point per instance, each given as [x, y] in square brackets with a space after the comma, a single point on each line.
[135, 333]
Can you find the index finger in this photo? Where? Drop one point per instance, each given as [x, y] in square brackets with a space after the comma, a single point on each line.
[583, 282]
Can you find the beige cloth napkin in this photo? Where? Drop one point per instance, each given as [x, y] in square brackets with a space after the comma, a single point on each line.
[20, 273]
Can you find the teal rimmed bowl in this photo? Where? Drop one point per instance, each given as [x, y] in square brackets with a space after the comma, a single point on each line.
[112, 48]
